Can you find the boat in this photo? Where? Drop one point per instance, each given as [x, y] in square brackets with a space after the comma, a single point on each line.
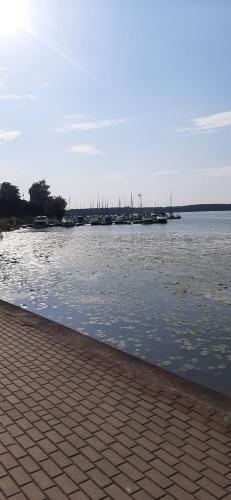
[173, 216]
[147, 220]
[107, 220]
[40, 222]
[161, 218]
[136, 219]
[80, 220]
[96, 221]
[119, 219]
[67, 222]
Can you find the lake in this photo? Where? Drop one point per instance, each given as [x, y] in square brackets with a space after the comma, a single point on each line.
[159, 292]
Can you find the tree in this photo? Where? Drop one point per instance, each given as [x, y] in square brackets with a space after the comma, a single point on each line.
[39, 196]
[9, 199]
[59, 205]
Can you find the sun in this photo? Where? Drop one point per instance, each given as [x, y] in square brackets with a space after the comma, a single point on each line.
[13, 15]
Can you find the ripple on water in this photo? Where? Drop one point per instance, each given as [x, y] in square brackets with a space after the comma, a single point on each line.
[162, 294]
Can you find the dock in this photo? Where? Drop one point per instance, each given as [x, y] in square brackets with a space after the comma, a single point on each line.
[81, 420]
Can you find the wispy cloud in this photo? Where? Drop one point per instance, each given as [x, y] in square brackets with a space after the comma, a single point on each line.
[86, 125]
[166, 172]
[41, 83]
[85, 149]
[216, 171]
[206, 124]
[213, 121]
[9, 135]
[16, 97]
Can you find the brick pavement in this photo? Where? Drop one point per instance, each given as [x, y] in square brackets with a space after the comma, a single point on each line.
[80, 420]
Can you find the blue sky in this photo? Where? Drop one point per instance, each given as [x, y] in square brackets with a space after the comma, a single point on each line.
[118, 96]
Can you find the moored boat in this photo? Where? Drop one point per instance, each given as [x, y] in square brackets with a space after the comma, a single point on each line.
[119, 219]
[161, 218]
[80, 220]
[147, 220]
[107, 220]
[173, 216]
[40, 222]
[96, 221]
[68, 222]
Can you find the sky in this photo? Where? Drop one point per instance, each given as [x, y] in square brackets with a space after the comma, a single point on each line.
[117, 96]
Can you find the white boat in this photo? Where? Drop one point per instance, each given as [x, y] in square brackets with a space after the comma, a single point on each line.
[40, 222]
[68, 222]
[161, 218]
[119, 219]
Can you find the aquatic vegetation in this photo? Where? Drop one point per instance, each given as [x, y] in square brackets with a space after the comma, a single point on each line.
[163, 297]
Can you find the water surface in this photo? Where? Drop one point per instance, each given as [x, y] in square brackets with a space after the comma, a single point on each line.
[159, 292]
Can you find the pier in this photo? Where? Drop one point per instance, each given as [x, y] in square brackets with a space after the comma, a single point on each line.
[80, 420]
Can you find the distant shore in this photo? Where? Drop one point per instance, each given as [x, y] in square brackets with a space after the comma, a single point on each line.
[201, 207]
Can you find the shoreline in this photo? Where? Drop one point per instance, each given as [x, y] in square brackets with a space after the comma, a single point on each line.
[153, 375]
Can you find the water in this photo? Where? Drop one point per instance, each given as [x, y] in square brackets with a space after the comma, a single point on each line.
[159, 292]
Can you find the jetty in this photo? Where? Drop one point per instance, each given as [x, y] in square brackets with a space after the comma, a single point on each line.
[81, 420]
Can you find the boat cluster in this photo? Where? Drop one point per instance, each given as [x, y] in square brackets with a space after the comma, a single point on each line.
[105, 220]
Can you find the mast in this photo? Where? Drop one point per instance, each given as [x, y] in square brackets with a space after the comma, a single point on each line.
[171, 202]
[140, 196]
[131, 201]
[119, 206]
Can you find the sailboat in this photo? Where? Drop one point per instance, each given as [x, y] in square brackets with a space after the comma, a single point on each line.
[68, 221]
[171, 215]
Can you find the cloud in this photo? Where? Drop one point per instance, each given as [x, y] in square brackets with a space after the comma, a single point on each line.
[86, 126]
[206, 124]
[213, 121]
[216, 171]
[166, 172]
[85, 149]
[41, 83]
[16, 97]
[9, 135]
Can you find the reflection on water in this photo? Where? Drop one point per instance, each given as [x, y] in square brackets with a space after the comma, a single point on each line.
[159, 292]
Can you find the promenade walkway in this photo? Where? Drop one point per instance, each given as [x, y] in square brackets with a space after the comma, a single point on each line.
[80, 420]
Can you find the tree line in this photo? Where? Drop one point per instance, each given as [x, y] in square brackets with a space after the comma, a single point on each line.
[41, 201]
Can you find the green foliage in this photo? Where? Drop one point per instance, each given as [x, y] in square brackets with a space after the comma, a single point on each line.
[55, 207]
[9, 199]
[5, 224]
[45, 204]
[39, 196]
[41, 203]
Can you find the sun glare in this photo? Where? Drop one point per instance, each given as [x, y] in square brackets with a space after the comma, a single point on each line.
[13, 16]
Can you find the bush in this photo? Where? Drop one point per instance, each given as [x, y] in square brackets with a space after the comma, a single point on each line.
[5, 224]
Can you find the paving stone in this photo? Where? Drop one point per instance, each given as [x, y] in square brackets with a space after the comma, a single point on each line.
[20, 476]
[66, 484]
[99, 477]
[78, 423]
[153, 489]
[8, 486]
